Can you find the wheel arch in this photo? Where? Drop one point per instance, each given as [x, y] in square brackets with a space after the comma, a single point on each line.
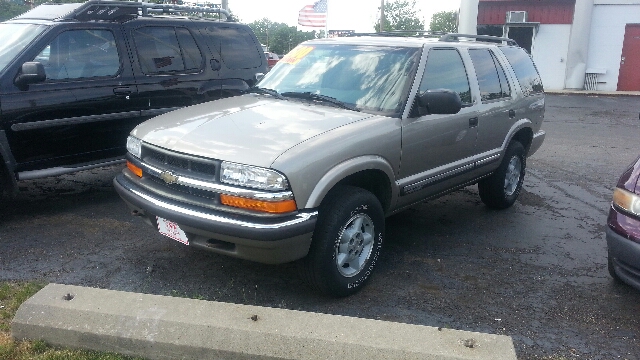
[372, 173]
[524, 136]
[522, 132]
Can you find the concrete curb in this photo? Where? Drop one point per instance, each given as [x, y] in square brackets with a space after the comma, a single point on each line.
[593, 93]
[160, 327]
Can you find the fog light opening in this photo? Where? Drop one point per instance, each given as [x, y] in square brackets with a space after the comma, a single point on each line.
[221, 245]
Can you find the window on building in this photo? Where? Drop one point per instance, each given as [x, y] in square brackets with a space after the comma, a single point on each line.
[492, 30]
[522, 35]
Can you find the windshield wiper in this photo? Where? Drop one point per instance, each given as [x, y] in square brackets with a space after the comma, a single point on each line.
[261, 90]
[312, 96]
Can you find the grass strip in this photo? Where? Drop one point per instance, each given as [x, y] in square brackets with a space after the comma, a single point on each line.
[12, 295]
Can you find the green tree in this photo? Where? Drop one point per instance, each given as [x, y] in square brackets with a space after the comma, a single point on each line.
[444, 21]
[279, 37]
[10, 9]
[400, 15]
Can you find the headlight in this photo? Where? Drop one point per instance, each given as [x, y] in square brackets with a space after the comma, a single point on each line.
[134, 146]
[253, 177]
[627, 201]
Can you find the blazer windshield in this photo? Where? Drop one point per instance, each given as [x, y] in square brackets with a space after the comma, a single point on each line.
[373, 79]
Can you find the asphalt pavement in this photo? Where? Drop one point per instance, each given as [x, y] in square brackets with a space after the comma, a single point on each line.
[535, 272]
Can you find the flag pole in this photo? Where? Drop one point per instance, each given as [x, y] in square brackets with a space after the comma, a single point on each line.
[326, 22]
[381, 16]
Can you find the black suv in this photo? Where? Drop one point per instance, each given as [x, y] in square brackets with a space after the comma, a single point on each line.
[76, 78]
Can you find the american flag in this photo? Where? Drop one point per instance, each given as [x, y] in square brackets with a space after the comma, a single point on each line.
[314, 15]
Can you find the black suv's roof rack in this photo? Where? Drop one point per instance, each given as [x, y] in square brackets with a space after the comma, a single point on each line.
[486, 38]
[109, 10]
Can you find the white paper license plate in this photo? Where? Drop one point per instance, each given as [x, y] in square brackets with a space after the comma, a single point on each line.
[170, 229]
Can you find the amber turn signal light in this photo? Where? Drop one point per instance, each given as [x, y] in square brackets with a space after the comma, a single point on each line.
[274, 207]
[134, 169]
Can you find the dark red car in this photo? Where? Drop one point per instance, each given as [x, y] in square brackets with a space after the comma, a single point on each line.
[272, 59]
[623, 230]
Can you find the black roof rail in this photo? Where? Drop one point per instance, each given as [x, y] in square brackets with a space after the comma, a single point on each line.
[486, 38]
[405, 33]
[113, 9]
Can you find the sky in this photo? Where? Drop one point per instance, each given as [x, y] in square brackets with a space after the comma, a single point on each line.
[358, 15]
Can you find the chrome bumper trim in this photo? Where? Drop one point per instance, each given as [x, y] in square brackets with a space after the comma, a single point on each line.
[301, 217]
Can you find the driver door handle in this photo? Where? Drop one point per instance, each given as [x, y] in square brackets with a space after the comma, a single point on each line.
[122, 91]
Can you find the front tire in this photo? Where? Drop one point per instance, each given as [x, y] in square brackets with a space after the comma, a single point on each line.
[501, 189]
[346, 242]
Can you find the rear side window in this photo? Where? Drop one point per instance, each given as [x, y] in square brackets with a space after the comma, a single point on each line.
[237, 47]
[491, 77]
[163, 49]
[525, 70]
[445, 70]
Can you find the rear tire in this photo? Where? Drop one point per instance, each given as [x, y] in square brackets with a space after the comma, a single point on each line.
[501, 189]
[346, 242]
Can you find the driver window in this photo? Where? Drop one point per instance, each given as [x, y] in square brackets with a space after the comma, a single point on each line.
[445, 70]
[80, 54]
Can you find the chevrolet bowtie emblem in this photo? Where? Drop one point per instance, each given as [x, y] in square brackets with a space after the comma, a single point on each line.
[169, 177]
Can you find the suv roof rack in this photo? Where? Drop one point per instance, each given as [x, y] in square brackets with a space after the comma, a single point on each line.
[110, 10]
[407, 33]
[442, 36]
[485, 38]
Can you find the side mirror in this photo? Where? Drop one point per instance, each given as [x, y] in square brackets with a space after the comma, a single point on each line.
[31, 73]
[440, 101]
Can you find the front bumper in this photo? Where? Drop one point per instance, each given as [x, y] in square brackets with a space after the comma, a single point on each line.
[624, 253]
[265, 240]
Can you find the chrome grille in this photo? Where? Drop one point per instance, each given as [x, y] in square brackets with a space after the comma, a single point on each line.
[181, 164]
[186, 190]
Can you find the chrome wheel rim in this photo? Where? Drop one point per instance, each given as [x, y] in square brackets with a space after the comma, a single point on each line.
[512, 177]
[354, 245]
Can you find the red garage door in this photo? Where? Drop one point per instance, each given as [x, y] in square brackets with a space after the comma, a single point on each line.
[629, 79]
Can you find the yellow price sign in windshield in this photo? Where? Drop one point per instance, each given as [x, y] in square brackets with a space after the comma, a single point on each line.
[296, 54]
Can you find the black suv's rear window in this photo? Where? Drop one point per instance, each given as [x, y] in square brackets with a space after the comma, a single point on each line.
[525, 70]
[166, 49]
[237, 47]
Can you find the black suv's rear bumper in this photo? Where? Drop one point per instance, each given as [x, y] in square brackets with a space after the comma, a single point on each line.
[266, 240]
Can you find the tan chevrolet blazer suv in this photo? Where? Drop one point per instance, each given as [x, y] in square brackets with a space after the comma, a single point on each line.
[340, 134]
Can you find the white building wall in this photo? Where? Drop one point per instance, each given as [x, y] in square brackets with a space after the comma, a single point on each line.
[468, 17]
[549, 51]
[607, 36]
